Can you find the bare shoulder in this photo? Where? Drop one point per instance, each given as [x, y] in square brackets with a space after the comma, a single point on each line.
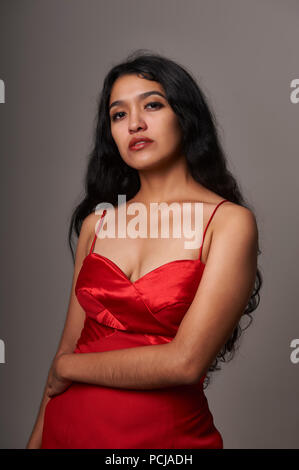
[89, 223]
[231, 213]
[87, 231]
[237, 224]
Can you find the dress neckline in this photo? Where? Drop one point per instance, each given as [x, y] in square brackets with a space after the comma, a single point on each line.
[152, 271]
[120, 271]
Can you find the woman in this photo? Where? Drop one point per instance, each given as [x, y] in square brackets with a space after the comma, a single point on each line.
[148, 318]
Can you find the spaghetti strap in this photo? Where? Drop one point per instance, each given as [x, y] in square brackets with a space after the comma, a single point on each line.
[97, 231]
[204, 234]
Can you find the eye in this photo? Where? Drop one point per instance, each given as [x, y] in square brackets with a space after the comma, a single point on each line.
[114, 116]
[156, 105]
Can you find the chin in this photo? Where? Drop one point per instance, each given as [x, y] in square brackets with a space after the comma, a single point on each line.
[148, 163]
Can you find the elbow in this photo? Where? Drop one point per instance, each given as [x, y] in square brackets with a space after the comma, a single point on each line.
[189, 373]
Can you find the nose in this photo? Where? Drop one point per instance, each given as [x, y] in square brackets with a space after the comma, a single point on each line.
[136, 122]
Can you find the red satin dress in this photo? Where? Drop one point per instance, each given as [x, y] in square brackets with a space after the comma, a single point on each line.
[125, 314]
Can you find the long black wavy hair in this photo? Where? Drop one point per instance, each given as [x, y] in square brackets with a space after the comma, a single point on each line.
[107, 175]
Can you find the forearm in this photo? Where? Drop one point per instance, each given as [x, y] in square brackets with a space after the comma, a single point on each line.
[145, 367]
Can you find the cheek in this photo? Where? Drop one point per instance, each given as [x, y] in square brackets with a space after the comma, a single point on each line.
[117, 139]
[172, 132]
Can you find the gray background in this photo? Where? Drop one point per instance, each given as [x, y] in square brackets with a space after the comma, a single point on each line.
[54, 56]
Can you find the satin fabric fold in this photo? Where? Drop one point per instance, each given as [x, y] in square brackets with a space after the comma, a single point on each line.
[124, 314]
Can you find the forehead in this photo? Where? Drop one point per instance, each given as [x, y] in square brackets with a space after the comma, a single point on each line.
[128, 87]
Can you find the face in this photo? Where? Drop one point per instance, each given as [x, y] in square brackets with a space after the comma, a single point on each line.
[136, 116]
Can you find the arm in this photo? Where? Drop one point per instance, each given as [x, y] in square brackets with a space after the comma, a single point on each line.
[224, 291]
[222, 295]
[35, 438]
[73, 325]
[143, 367]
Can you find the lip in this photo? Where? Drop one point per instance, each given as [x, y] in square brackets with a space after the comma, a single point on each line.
[135, 140]
[141, 146]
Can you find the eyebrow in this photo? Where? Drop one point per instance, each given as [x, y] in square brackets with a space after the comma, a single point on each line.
[140, 97]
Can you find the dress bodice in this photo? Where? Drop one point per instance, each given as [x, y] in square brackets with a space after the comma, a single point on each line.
[153, 305]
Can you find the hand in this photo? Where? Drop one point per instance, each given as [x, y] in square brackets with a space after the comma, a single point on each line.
[56, 383]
